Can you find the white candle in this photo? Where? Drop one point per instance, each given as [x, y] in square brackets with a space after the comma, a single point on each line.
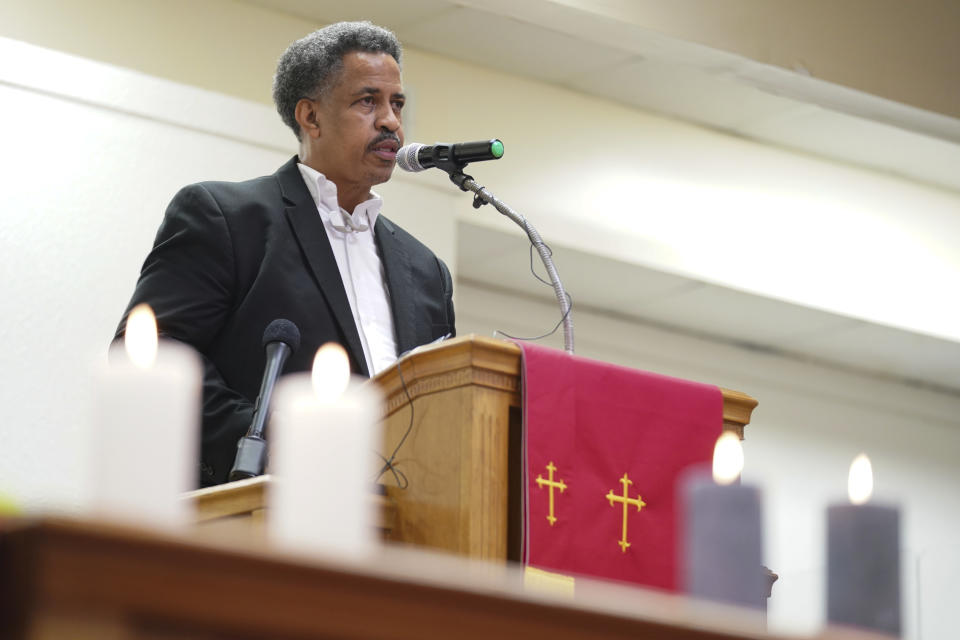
[323, 437]
[146, 417]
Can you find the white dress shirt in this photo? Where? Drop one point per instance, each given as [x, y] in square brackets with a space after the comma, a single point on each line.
[351, 238]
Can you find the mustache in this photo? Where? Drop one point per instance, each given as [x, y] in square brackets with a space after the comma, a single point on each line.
[383, 137]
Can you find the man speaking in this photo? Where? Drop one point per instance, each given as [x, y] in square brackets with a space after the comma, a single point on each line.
[308, 243]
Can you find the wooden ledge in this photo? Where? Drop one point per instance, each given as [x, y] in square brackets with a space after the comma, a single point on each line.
[248, 499]
[232, 498]
[460, 362]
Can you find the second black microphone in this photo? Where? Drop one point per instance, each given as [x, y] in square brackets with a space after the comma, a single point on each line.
[280, 339]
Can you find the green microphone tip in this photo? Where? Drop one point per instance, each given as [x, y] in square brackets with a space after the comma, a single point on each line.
[496, 148]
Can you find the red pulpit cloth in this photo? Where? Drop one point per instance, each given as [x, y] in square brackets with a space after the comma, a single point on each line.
[609, 444]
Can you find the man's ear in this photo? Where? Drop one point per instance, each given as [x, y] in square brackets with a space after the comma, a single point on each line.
[307, 116]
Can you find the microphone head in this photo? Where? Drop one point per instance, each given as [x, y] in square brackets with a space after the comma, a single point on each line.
[281, 330]
[407, 157]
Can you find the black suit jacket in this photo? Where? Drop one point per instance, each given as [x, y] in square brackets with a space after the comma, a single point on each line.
[229, 258]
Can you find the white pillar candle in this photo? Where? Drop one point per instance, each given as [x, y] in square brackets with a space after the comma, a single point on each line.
[146, 417]
[323, 435]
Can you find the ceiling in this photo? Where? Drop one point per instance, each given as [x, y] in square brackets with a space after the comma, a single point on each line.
[558, 43]
[554, 42]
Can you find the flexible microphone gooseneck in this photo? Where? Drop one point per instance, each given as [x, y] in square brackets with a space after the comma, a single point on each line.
[280, 339]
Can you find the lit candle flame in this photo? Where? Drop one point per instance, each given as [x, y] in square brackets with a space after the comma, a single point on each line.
[860, 481]
[331, 372]
[727, 458]
[140, 338]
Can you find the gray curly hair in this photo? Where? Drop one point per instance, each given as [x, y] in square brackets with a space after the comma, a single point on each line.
[309, 66]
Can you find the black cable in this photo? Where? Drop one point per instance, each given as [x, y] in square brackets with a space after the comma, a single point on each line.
[388, 462]
[549, 284]
[545, 335]
[397, 474]
[533, 269]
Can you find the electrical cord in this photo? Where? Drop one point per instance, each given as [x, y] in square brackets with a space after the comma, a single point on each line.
[562, 318]
[388, 463]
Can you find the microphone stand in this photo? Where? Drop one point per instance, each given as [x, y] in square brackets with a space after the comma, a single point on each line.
[483, 196]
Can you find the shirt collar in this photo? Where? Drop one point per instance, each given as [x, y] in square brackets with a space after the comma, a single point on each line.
[324, 193]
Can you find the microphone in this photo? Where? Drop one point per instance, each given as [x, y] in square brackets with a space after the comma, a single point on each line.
[280, 339]
[417, 157]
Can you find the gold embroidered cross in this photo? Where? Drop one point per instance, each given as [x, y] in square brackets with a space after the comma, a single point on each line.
[626, 482]
[549, 482]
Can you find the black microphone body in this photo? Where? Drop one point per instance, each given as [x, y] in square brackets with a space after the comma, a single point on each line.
[277, 354]
[417, 157]
[281, 338]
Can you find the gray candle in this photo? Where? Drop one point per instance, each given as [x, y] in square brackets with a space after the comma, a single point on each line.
[863, 558]
[723, 543]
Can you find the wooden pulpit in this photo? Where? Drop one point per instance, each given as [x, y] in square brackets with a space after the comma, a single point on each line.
[452, 434]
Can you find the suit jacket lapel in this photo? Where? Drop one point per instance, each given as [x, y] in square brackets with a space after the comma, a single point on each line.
[308, 228]
[399, 274]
